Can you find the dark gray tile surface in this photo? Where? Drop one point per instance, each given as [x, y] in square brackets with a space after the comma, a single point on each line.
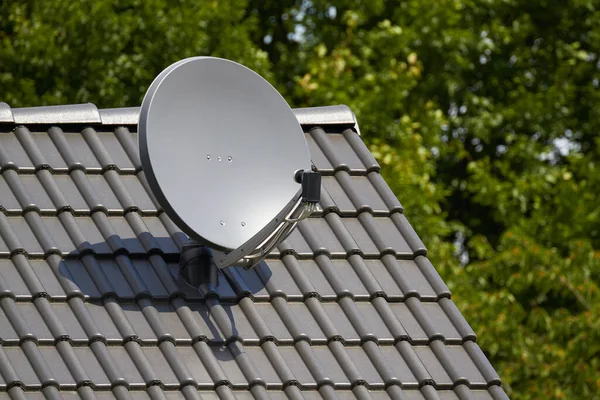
[91, 306]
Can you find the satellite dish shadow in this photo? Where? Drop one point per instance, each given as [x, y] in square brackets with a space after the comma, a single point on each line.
[205, 301]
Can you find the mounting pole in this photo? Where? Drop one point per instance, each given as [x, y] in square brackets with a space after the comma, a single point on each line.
[196, 264]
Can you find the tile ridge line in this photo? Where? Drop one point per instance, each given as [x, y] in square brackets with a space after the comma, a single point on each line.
[89, 113]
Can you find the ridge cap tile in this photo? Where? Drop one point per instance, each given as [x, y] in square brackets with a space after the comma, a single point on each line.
[88, 113]
[6, 115]
[62, 114]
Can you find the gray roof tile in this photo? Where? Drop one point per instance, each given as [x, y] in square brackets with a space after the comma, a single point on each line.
[116, 151]
[55, 366]
[433, 366]
[385, 235]
[364, 243]
[336, 223]
[318, 157]
[7, 332]
[318, 282]
[337, 151]
[18, 157]
[320, 238]
[297, 366]
[363, 195]
[444, 326]
[307, 324]
[75, 150]
[357, 365]
[342, 326]
[408, 277]
[11, 281]
[23, 372]
[343, 278]
[92, 307]
[52, 287]
[376, 328]
[65, 195]
[272, 278]
[334, 197]
[48, 150]
[98, 149]
[8, 201]
[141, 199]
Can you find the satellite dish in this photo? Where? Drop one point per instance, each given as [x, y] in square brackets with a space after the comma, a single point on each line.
[225, 157]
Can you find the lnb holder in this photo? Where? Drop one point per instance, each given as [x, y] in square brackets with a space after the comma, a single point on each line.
[311, 185]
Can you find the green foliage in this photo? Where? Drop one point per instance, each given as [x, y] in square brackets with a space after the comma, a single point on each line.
[482, 114]
[63, 51]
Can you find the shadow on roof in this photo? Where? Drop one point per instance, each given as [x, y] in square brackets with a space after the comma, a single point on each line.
[150, 282]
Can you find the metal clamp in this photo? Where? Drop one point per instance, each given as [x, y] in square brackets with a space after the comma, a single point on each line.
[256, 249]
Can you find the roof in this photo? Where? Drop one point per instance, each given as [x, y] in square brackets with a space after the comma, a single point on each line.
[91, 304]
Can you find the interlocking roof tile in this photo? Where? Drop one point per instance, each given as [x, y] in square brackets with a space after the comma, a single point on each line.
[92, 305]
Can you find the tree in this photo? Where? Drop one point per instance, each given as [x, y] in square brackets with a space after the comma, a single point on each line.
[481, 113]
[60, 51]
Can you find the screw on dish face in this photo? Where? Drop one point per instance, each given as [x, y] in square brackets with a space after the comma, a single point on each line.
[222, 223]
[230, 159]
[243, 224]
[208, 156]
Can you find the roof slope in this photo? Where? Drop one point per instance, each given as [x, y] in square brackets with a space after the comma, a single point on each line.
[91, 306]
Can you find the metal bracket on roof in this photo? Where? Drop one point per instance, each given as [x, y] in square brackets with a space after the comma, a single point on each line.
[257, 248]
[197, 265]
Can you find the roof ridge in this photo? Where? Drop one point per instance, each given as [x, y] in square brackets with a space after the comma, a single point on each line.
[88, 113]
